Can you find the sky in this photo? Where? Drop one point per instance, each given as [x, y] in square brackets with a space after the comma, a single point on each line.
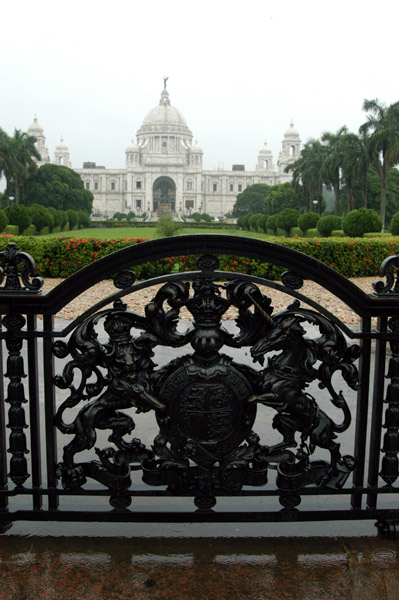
[238, 71]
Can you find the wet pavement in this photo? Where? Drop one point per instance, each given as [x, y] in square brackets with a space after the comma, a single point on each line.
[207, 568]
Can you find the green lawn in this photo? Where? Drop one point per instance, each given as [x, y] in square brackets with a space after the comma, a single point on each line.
[147, 232]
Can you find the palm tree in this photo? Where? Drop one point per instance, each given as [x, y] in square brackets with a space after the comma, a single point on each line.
[355, 165]
[4, 152]
[307, 172]
[20, 164]
[382, 130]
[332, 167]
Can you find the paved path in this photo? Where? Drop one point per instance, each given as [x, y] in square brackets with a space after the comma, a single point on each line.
[137, 301]
[198, 569]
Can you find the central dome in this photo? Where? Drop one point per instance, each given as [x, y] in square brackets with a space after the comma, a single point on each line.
[164, 118]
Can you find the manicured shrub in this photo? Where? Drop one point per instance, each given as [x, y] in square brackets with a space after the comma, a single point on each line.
[19, 215]
[57, 218]
[73, 219]
[271, 224]
[253, 222]
[261, 223]
[11, 229]
[325, 225]
[84, 219]
[65, 219]
[119, 216]
[245, 220]
[338, 233]
[287, 218]
[29, 231]
[41, 217]
[167, 227]
[312, 233]
[3, 220]
[130, 216]
[394, 226]
[376, 234]
[358, 222]
[280, 232]
[296, 232]
[308, 221]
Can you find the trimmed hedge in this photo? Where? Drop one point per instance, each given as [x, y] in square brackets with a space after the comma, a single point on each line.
[353, 257]
[11, 230]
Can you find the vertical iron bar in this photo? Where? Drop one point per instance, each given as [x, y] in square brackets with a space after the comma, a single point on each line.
[376, 418]
[362, 411]
[3, 440]
[34, 412]
[49, 409]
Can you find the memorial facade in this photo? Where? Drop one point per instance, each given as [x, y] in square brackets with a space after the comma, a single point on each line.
[164, 170]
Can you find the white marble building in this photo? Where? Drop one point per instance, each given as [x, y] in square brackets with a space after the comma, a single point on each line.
[164, 170]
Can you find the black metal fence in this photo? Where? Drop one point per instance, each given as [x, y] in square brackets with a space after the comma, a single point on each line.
[287, 415]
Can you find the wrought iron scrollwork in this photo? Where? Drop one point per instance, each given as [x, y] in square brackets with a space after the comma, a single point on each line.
[392, 281]
[205, 403]
[17, 266]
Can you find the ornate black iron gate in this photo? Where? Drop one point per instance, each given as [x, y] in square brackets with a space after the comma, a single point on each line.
[284, 408]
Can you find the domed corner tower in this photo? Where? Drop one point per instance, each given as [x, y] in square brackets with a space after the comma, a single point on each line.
[196, 155]
[164, 138]
[36, 131]
[290, 152]
[265, 159]
[132, 155]
[61, 154]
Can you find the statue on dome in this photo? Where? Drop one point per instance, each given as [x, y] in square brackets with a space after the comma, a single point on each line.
[165, 79]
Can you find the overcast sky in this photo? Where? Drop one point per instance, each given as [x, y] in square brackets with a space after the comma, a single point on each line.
[239, 71]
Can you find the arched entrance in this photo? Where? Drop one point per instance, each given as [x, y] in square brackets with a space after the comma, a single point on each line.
[164, 195]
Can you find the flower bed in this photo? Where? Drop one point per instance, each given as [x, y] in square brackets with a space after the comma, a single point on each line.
[352, 257]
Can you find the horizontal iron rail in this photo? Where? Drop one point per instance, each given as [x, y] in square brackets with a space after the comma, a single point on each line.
[220, 494]
[199, 516]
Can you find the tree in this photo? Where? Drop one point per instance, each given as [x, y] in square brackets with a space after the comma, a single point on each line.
[374, 192]
[354, 166]
[307, 173]
[60, 187]
[19, 164]
[333, 161]
[382, 129]
[250, 201]
[281, 196]
[5, 152]
[3, 220]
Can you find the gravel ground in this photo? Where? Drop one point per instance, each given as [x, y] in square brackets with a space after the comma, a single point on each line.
[137, 301]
